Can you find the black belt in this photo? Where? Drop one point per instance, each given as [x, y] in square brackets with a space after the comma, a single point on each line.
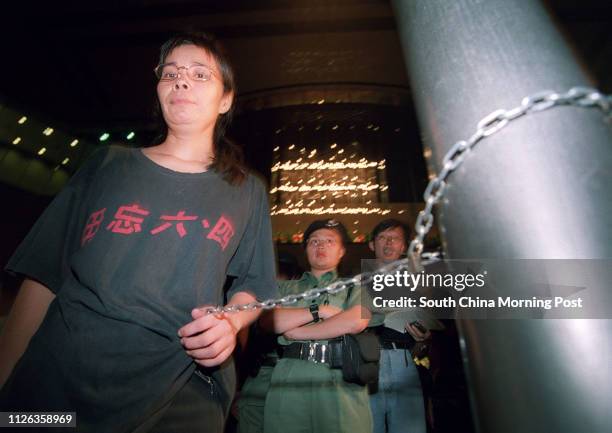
[329, 353]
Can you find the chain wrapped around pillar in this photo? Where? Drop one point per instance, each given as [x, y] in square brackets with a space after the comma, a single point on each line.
[539, 189]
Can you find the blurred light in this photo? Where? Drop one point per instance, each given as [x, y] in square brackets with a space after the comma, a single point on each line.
[104, 136]
[333, 146]
[48, 131]
[130, 135]
[321, 101]
[74, 143]
[65, 161]
[22, 120]
[335, 127]
[42, 151]
[332, 209]
[322, 165]
[291, 147]
[17, 140]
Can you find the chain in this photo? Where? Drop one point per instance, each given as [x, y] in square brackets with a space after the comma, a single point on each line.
[335, 287]
[489, 125]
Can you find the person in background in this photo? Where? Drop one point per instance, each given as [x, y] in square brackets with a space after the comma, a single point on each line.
[106, 323]
[260, 355]
[306, 394]
[397, 404]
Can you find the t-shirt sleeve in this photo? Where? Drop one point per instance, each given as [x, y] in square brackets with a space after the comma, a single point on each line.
[254, 264]
[44, 253]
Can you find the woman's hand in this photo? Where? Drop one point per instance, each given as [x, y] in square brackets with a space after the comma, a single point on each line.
[210, 338]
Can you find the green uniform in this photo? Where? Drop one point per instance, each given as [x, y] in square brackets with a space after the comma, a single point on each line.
[255, 388]
[308, 397]
[252, 400]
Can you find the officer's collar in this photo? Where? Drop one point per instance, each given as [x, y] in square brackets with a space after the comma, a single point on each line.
[327, 277]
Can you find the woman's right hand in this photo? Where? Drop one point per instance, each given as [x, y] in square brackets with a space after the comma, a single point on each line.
[327, 311]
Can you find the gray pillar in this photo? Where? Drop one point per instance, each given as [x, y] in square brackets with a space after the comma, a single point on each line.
[538, 189]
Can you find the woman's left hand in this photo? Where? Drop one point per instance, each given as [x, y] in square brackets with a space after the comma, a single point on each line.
[210, 338]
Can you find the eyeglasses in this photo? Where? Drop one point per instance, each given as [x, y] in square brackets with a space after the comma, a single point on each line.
[170, 72]
[324, 242]
[389, 239]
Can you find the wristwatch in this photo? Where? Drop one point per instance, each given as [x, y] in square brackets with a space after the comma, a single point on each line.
[314, 310]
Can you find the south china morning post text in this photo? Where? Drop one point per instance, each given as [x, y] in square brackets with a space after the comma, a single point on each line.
[478, 289]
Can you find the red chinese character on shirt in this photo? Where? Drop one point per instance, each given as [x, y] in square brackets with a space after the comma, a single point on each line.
[127, 220]
[93, 225]
[222, 232]
[180, 227]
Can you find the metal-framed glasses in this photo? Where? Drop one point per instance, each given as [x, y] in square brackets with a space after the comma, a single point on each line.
[195, 72]
[324, 242]
[388, 239]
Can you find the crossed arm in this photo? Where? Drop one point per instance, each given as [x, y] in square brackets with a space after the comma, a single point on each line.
[209, 339]
[295, 323]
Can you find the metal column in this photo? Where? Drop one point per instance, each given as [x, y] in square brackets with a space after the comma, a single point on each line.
[539, 189]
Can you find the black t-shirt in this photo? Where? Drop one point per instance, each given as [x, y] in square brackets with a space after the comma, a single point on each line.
[130, 248]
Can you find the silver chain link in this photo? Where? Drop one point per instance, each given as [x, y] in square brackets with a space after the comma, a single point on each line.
[489, 125]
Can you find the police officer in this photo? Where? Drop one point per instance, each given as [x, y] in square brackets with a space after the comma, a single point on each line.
[262, 354]
[306, 394]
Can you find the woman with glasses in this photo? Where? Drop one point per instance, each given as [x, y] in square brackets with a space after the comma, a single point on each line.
[107, 322]
[306, 394]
